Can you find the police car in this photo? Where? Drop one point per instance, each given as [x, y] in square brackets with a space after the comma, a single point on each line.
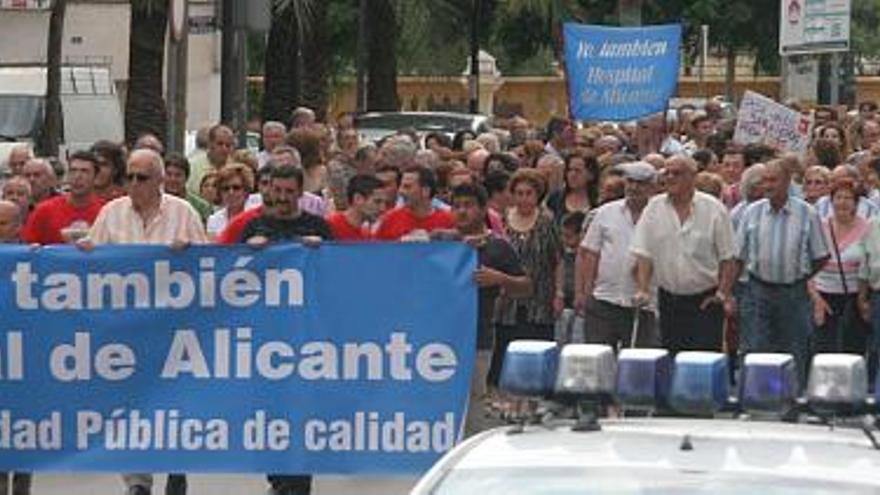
[829, 443]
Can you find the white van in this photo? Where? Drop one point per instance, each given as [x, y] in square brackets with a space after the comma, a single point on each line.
[89, 105]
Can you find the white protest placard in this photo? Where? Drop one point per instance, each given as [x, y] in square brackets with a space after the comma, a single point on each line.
[762, 120]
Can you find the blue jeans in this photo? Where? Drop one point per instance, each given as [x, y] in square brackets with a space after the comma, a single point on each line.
[745, 311]
[781, 322]
[874, 338]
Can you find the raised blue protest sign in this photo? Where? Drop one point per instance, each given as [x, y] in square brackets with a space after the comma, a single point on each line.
[338, 359]
[620, 73]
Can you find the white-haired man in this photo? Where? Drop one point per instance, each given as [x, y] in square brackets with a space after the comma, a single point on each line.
[273, 136]
[146, 215]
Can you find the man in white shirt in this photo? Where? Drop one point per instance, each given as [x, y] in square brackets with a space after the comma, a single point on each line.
[146, 215]
[604, 282]
[684, 240]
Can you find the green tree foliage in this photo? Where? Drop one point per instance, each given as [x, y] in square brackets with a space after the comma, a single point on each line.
[864, 37]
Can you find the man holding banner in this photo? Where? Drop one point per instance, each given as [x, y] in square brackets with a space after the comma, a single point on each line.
[146, 215]
[286, 222]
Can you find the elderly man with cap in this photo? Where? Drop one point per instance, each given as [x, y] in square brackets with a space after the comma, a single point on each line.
[604, 283]
[684, 241]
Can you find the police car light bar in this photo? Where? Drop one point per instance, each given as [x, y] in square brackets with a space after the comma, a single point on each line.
[838, 383]
[769, 383]
[529, 368]
[643, 378]
[586, 370]
[699, 383]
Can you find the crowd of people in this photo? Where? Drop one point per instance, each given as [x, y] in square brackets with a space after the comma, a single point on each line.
[661, 232]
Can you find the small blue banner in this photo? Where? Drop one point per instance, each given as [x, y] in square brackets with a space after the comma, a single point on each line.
[336, 359]
[620, 73]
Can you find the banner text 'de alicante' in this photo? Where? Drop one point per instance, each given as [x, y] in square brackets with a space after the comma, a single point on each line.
[337, 359]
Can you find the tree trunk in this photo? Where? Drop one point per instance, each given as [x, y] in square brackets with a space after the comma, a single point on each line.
[730, 74]
[53, 123]
[281, 90]
[315, 58]
[382, 63]
[144, 103]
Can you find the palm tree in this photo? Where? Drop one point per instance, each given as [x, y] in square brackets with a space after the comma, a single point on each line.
[144, 104]
[382, 55]
[281, 83]
[316, 61]
[53, 119]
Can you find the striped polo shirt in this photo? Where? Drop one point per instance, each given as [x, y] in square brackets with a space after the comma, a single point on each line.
[780, 246]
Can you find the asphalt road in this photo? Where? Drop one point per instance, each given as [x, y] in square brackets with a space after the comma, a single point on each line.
[69, 484]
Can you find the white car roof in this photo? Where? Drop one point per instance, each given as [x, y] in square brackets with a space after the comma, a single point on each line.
[798, 451]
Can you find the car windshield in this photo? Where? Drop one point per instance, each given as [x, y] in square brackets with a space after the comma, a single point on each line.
[20, 116]
[580, 481]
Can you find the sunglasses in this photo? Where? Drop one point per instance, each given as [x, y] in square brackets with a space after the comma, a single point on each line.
[138, 177]
[233, 187]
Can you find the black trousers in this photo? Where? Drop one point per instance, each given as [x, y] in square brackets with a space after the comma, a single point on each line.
[290, 484]
[686, 327]
[844, 330]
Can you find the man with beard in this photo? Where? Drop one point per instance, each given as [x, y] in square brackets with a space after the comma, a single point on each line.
[282, 220]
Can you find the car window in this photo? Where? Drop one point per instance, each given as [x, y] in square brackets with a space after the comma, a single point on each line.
[20, 116]
[564, 481]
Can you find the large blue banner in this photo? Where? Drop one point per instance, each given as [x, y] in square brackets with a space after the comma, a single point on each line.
[336, 359]
[620, 73]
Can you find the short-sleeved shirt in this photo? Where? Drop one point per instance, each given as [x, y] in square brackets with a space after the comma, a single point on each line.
[610, 236]
[780, 246]
[284, 229]
[497, 254]
[686, 256]
[46, 223]
[850, 247]
[176, 221]
[343, 230]
[401, 221]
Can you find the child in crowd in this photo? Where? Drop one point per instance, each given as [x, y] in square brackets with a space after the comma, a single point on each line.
[569, 328]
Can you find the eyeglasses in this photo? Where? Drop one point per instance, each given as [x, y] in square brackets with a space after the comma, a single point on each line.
[138, 177]
[232, 187]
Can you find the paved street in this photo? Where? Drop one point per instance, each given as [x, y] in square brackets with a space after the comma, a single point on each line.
[60, 484]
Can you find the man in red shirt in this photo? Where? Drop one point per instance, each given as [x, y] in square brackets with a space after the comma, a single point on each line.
[366, 200]
[66, 218]
[417, 187]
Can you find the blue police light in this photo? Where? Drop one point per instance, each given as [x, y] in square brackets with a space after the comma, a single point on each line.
[529, 367]
[838, 382]
[769, 383]
[586, 370]
[643, 377]
[699, 383]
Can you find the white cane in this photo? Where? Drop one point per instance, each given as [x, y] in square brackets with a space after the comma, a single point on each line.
[635, 330]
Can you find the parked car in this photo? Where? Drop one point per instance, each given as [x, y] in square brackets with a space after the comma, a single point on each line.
[374, 126]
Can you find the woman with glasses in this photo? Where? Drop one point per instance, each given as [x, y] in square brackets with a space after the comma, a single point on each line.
[234, 183]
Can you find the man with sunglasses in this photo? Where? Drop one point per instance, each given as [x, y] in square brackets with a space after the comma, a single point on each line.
[147, 215]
